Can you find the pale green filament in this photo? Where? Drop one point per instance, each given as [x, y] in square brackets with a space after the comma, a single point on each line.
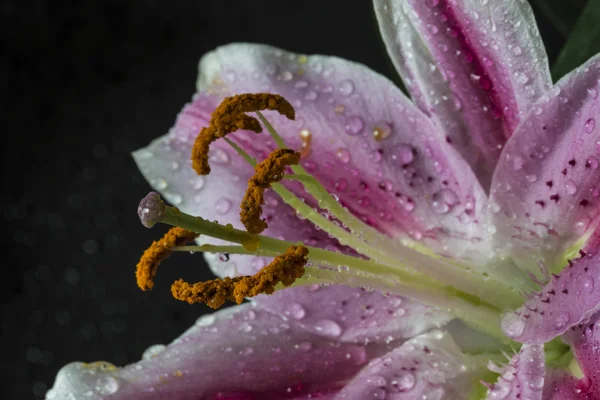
[361, 272]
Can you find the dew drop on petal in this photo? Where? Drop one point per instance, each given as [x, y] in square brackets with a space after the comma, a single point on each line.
[222, 206]
[402, 154]
[159, 184]
[328, 327]
[152, 351]
[382, 130]
[592, 162]
[571, 187]
[304, 346]
[297, 311]
[354, 125]
[343, 155]
[597, 144]
[444, 200]
[346, 87]
[562, 320]
[107, 385]
[219, 157]
[513, 325]
[589, 125]
[588, 284]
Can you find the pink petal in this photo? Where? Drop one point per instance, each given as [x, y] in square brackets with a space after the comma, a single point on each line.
[474, 66]
[407, 184]
[243, 353]
[523, 378]
[428, 366]
[568, 300]
[353, 315]
[546, 193]
[561, 386]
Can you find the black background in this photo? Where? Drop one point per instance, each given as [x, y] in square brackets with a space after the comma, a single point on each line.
[83, 84]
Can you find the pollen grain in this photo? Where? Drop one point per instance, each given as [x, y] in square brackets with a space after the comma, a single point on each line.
[230, 116]
[157, 252]
[285, 268]
[267, 172]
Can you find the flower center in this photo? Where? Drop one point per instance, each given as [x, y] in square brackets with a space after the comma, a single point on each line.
[383, 262]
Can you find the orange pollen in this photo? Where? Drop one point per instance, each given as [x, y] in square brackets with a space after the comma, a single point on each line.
[285, 268]
[230, 116]
[157, 252]
[268, 171]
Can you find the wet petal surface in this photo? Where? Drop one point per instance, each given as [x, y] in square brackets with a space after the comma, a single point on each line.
[546, 194]
[263, 356]
[474, 66]
[568, 300]
[428, 366]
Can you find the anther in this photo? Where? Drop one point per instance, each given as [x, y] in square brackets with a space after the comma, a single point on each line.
[157, 252]
[285, 268]
[151, 209]
[229, 117]
[267, 172]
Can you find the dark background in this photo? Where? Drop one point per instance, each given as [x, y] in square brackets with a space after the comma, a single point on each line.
[82, 85]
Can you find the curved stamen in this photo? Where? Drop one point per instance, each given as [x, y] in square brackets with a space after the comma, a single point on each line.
[230, 116]
[267, 172]
[285, 268]
[158, 251]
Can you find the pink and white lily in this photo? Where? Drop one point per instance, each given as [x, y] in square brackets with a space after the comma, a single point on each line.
[443, 230]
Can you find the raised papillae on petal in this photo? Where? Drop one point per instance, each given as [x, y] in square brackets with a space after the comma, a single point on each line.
[157, 252]
[230, 116]
[522, 378]
[267, 172]
[475, 67]
[285, 268]
[545, 197]
[568, 300]
[584, 340]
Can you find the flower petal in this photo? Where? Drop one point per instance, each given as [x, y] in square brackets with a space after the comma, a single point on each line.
[428, 366]
[261, 355]
[560, 386]
[546, 194]
[523, 378]
[566, 301]
[353, 315]
[474, 66]
[405, 184]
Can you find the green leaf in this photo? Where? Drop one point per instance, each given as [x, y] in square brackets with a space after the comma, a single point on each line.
[583, 43]
[561, 14]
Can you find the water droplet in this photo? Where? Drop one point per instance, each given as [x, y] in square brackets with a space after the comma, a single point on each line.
[340, 184]
[286, 76]
[588, 284]
[403, 154]
[246, 351]
[537, 110]
[313, 288]
[311, 95]
[382, 130]
[343, 155]
[404, 381]
[561, 321]
[444, 200]
[513, 325]
[592, 162]
[304, 346]
[206, 320]
[346, 87]
[531, 178]
[354, 125]
[536, 382]
[197, 183]
[218, 156]
[589, 125]
[518, 163]
[597, 144]
[152, 351]
[107, 385]
[174, 166]
[297, 311]
[222, 206]
[173, 198]
[328, 327]
[571, 187]
[159, 184]
[517, 51]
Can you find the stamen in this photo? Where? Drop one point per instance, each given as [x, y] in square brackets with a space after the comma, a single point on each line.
[157, 252]
[229, 117]
[285, 268]
[267, 172]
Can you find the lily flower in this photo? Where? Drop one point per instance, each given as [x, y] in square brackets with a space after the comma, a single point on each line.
[402, 246]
